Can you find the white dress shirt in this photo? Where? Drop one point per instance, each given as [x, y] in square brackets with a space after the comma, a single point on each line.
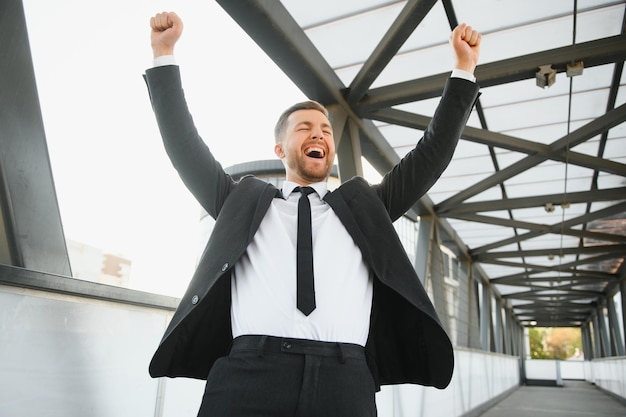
[264, 279]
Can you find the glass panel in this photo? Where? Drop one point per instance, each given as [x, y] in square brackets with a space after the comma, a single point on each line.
[352, 39]
[119, 197]
[315, 13]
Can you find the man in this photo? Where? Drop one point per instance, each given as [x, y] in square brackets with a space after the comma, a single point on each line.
[269, 339]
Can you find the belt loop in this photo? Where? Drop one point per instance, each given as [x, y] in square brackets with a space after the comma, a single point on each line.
[261, 346]
[342, 356]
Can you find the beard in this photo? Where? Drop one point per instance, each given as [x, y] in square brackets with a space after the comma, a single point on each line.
[309, 169]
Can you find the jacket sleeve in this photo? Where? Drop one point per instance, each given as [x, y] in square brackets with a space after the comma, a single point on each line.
[201, 173]
[417, 171]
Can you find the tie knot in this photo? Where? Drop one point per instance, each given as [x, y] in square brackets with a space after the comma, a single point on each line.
[305, 190]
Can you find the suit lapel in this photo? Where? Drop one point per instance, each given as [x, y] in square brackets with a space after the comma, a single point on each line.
[265, 199]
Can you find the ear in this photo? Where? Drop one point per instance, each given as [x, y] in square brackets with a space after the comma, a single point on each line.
[279, 150]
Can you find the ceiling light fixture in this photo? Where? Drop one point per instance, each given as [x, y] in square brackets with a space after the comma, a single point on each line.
[575, 69]
[546, 76]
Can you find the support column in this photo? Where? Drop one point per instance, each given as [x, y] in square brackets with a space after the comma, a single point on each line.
[585, 331]
[597, 338]
[422, 251]
[508, 332]
[523, 353]
[474, 310]
[498, 327]
[486, 330]
[349, 152]
[604, 333]
[519, 351]
[31, 235]
[463, 315]
[622, 291]
[437, 278]
[519, 340]
[513, 337]
[616, 340]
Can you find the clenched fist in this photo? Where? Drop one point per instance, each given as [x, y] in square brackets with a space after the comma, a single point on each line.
[465, 43]
[166, 30]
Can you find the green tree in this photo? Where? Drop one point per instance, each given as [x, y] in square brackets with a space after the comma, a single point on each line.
[554, 342]
[536, 338]
[564, 342]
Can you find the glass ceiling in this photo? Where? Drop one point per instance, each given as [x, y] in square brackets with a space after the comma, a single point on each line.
[536, 190]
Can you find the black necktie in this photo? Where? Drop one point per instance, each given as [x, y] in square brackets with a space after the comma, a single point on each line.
[305, 286]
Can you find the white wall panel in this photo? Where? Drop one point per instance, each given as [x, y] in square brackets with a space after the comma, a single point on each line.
[478, 377]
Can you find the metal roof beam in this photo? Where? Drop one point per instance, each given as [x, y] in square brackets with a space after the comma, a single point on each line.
[562, 267]
[271, 26]
[592, 53]
[609, 194]
[486, 137]
[404, 25]
[558, 228]
[541, 295]
[574, 272]
[569, 305]
[619, 249]
[570, 282]
[537, 229]
[584, 133]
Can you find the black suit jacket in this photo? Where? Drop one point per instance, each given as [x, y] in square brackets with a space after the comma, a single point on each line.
[406, 342]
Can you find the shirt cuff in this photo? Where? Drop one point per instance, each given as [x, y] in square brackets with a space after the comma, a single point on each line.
[163, 60]
[459, 73]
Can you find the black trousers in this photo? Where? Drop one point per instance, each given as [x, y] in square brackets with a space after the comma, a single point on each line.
[281, 377]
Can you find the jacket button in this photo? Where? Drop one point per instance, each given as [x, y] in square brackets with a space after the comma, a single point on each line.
[195, 299]
[225, 267]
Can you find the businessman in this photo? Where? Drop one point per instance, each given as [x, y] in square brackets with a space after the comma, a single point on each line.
[304, 301]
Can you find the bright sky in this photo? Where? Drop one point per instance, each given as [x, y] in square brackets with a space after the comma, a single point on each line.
[115, 186]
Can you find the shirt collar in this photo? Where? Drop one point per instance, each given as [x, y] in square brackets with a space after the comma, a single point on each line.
[321, 188]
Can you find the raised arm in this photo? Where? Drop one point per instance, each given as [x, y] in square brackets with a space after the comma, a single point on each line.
[201, 173]
[413, 176]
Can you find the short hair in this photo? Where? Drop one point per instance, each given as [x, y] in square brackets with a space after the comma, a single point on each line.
[305, 105]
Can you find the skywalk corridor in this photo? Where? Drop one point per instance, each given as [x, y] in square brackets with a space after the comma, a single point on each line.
[526, 228]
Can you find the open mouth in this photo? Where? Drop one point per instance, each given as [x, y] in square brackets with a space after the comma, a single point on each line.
[315, 152]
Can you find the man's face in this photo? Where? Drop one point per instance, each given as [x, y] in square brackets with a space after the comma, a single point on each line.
[307, 147]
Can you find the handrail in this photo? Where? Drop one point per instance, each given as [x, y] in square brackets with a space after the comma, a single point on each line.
[25, 278]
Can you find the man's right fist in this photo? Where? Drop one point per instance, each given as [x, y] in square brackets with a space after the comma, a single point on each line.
[166, 30]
